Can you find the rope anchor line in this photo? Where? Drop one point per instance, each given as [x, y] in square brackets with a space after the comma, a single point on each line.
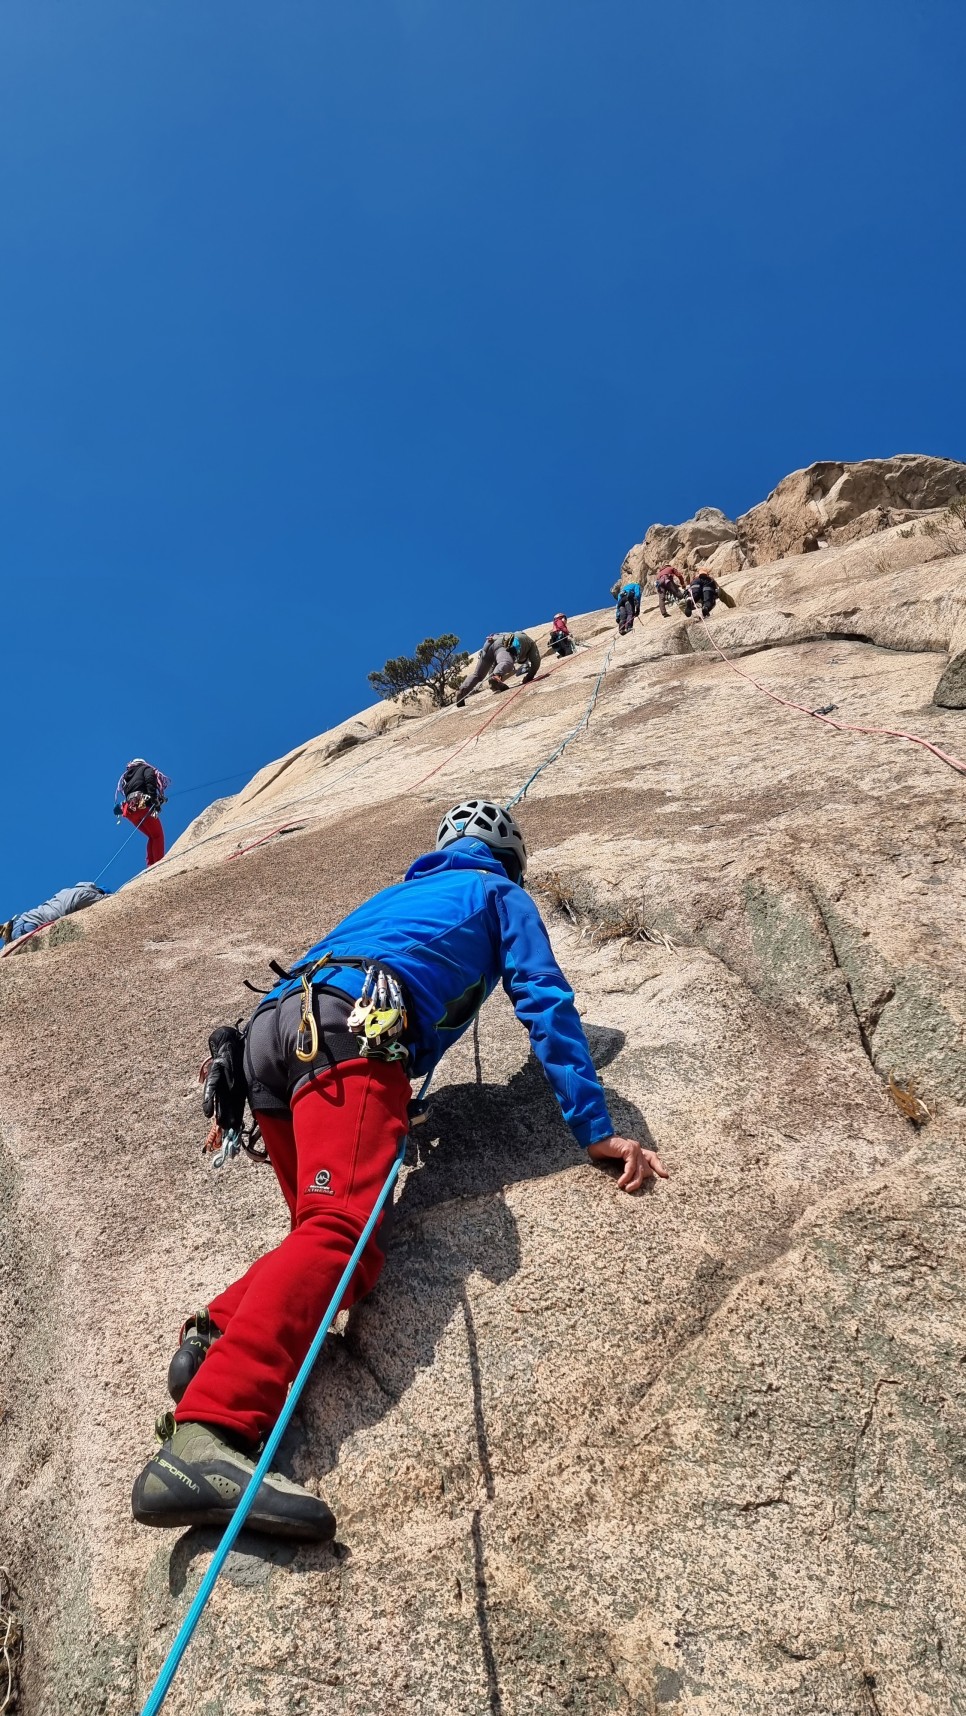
[956, 763]
[567, 739]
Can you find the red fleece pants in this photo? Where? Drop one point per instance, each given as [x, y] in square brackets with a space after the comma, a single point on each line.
[149, 825]
[331, 1157]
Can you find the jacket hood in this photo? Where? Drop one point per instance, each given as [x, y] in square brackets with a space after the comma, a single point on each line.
[467, 854]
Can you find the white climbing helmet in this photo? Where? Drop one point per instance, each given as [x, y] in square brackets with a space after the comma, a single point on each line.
[479, 819]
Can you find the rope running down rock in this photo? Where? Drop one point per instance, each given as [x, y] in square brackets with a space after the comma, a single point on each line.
[841, 726]
[581, 727]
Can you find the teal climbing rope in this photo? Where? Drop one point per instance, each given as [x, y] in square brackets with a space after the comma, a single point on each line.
[115, 857]
[568, 738]
[170, 1666]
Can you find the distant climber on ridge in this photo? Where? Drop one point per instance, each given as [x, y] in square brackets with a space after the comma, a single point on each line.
[628, 605]
[560, 640]
[501, 656]
[325, 1063]
[138, 797]
[670, 586]
[704, 590]
[58, 906]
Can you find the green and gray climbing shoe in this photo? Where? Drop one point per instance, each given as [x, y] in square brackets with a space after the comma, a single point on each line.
[197, 1335]
[197, 1476]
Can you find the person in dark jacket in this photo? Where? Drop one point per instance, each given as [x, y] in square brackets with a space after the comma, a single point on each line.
[704, 590]
[138, 797]
[326, 1062]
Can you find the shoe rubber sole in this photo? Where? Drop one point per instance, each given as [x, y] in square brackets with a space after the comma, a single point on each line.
[267, 1525]
[174, 1480]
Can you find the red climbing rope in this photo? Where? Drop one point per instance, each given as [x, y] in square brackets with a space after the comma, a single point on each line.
[841, 726]
[284, 828]
[503, 704]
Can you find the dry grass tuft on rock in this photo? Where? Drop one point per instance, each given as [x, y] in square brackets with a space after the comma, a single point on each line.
[626, 923]
[908, 1102]
[10, 1641]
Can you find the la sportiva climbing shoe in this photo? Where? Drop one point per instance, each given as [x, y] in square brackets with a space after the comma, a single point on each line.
[196, 1478]
[197, 1335]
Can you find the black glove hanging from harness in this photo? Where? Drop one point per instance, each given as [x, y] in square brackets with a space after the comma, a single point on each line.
[226, 1088]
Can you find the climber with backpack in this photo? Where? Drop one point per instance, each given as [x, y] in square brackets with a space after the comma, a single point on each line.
[138, 797]
[325, 1063]
[628, 606]
[502, 655]
[704, 590]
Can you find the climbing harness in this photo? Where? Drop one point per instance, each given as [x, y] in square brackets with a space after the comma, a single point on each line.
[581, 727]
[379, 1014]
[956, 763]
[169, 1667]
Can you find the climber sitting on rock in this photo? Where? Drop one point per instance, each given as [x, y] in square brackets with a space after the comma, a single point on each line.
[670, 586]
[502, 655]
[325, 1062]
[560, 640]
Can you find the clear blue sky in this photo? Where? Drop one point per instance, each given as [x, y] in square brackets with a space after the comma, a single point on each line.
[324, 327]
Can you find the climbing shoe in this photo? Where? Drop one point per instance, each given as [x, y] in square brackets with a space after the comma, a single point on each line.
[197, 1476]
[196, 1337]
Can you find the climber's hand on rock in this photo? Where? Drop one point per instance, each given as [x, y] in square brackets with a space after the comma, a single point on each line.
[639, 1164]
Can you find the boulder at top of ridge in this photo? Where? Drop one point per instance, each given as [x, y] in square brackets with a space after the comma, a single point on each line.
[688, 545]
[839, 501]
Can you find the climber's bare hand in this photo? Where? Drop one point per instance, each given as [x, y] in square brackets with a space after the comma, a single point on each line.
[640, 1165]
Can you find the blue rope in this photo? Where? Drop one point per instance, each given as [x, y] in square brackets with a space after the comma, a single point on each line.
[170, 1666]
[117, 854]
[581, 726]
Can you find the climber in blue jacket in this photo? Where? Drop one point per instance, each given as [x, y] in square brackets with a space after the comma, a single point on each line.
[325, 1064]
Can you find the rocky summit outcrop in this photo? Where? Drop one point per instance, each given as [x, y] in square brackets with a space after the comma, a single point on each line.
[826, 504]
[696, 1453]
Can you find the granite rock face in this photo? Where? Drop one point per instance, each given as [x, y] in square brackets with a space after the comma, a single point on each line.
[826, 504]
[832, 502]
[694, 1453]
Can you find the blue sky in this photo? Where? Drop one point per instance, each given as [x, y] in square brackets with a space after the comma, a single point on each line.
[326, 327]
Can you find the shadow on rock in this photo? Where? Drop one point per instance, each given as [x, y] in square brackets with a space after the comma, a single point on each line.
[250, 1562]
[450, 1222]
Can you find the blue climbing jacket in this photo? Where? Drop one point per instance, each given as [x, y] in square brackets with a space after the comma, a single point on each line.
[450, 931]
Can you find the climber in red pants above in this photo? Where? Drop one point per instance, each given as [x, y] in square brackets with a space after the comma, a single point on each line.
[138, 797]
[325, 1064]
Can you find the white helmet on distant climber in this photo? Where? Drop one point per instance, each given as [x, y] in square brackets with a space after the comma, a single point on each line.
[479, 819]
